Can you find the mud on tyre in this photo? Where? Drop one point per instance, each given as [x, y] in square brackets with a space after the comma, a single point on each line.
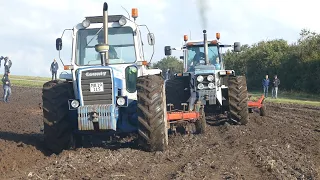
[152, 121]
[57, 127]
[238, 99]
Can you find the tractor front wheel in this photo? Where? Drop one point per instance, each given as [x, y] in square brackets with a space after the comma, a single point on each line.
[152, 121]
[57, 128]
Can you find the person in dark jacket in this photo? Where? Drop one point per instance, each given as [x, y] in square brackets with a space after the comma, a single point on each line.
[265, 85]
[54, 69]
[6, 86]
[275, 84]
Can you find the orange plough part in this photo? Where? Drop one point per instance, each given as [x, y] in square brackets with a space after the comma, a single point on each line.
[173, 116]
[256, 104]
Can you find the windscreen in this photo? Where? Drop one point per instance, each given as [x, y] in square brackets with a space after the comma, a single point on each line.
[120, 40]
[196, 56]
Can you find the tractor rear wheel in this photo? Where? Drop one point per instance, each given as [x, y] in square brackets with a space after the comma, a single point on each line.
[201, 123]
[57, 126]
[152, 121]
[238, 99]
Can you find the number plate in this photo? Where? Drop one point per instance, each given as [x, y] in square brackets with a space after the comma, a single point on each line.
[96, 87]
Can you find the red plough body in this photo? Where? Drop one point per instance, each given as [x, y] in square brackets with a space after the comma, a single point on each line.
[259, 104]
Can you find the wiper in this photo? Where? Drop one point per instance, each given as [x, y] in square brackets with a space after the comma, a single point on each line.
[94, 36]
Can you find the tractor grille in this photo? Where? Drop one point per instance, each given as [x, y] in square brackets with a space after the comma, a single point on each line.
[96, 76]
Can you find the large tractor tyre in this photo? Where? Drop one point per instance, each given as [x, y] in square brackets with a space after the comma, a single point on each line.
[57, 127]
[238, 99]
[152, 114]
[201, 123]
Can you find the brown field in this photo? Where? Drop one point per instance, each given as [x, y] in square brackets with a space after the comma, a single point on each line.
[285, 144]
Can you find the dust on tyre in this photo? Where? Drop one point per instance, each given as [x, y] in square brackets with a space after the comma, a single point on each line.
[152, 121]
[238, 99]
[57, 127]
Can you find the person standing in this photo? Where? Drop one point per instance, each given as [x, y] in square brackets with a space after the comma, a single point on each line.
[7, 64]
[276, 83]
[54, 68]
[6, 86]
[265, 85]
[1, 58]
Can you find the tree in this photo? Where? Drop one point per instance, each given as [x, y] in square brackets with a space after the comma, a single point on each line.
[297, 64]
[169, 62]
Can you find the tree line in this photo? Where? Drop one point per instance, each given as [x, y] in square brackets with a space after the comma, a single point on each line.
[297, 65]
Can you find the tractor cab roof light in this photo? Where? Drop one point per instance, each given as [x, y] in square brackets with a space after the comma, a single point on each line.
[134, 13]
[218, 36]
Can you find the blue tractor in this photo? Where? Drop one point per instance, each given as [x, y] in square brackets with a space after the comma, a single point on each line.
[207, 82]
[109, 88]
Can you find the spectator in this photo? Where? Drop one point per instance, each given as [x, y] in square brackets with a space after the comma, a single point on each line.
[265, 84]
[1, 58]
[54, 68]
[7, 64]
[6, 86]
[276, 83]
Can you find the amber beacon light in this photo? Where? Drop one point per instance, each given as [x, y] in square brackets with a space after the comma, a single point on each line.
[134, 13]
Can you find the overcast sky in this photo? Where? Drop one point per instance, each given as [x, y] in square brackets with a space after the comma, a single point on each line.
[29, 27]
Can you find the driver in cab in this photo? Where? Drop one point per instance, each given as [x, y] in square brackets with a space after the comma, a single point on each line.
[197, 58]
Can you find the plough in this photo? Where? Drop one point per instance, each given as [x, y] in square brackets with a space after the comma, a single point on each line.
[184, 118]
[259, 104]
[191, 121]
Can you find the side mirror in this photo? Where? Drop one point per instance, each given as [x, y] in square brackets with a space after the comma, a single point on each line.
[58, 44]
[151, 39]
[237, 47]
[181, 57]
[167, 51]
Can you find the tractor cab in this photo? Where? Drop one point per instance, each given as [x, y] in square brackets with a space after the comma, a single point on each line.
[195, 58]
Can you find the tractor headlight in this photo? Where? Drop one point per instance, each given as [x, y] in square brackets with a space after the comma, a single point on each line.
[200, 78]
[86, 23]
[200, 86]
[121, 101]
[75, 103]
[210, 78]
[122, 21]
[211, 85]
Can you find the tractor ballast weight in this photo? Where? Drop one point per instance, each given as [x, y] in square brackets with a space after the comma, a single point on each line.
[109, 88]
[205, 81]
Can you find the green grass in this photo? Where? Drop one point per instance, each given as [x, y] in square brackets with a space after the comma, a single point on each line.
[27, 81]
[290, 98]
[283, 96]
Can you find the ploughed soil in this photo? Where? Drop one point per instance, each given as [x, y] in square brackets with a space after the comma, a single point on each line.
[285, 144]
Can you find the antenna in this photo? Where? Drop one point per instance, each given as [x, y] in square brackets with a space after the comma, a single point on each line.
[190, 34]
[126, 11]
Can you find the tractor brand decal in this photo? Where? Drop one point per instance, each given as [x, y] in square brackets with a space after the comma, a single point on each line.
[96, 74]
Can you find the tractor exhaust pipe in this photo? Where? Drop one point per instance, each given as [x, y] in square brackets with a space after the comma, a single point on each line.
[103, 48]
[205, 43]
[105, 27]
